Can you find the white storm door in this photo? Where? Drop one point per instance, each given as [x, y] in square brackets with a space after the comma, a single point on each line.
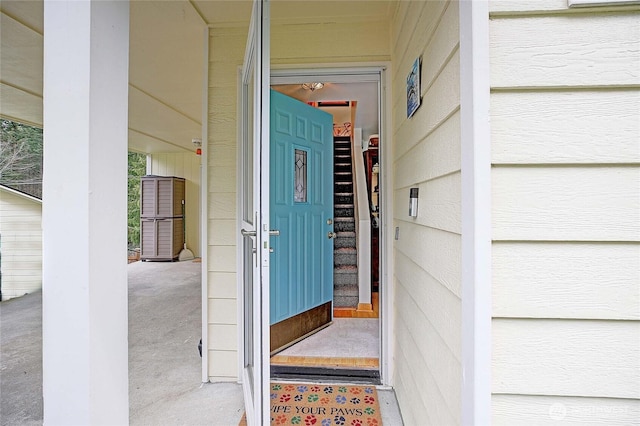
[254, 216]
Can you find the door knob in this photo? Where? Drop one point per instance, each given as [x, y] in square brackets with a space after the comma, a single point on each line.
[246, 233]
[331, 235]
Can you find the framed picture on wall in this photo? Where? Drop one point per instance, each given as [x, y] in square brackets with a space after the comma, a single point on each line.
[413, 88]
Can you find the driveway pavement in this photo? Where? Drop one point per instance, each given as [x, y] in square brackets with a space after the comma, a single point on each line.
[165, 386]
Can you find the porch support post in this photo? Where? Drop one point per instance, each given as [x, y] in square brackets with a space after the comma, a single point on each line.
[85, 309]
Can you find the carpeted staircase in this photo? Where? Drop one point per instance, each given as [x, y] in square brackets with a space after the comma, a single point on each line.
[345, 258]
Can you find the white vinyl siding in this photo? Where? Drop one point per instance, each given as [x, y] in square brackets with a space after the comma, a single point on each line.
[20, 243]
[565, 128]
[185, 165]
[327, 43]
[427, 254]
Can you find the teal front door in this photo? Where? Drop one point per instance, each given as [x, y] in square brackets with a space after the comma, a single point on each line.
[301, 209]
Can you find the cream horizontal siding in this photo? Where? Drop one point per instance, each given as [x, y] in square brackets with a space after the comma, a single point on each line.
[566, 203]
[530, 127]
[523, 410]
[20, 244]
[427, 253]
[530, 7]
[185, 165]
[566, 357]
[583, 50]
[565, 129]
[291, 43]
[566, 280]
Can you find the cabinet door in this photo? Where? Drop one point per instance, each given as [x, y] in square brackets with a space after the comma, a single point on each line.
[148, 237]
[162, 196]
[148, 189]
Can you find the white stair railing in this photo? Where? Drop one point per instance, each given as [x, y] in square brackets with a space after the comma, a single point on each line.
[363, 223]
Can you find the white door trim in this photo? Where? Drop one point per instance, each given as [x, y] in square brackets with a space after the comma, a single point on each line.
[476, 212]
[358, 73]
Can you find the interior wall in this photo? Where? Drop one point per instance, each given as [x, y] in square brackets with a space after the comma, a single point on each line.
[427, 252]
[185, 165]
[566, 225]
[290, 44]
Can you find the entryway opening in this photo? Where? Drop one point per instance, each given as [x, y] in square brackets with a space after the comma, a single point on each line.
[348, 347]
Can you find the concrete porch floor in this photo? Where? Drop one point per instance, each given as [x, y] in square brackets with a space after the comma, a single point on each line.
[164, 366]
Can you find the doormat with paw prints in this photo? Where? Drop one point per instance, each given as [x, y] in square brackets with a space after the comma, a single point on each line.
[324, 405]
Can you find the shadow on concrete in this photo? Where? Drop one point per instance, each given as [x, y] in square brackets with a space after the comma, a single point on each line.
[164, 364]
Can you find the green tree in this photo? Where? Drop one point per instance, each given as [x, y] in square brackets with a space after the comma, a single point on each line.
[137, 168]
[21, 157]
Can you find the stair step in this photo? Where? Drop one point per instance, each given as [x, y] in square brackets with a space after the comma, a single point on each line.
[346, 290]
[343, 186]
[345, 296]
[343, 212]
[341, 224]
[343, 177]
[345, 168]
[345, 256]
[344, 242]
[340, 278]
[345, 302]
[343, 199]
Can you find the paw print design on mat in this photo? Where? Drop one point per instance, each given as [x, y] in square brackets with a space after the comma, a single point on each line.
[370, 411]
[274, 395]
[296, 420]
[342, 389]
[368, 390]
[326, 422]
[328, 390]
[341, 399]
[284, 398]
[315, 389]
[372, 421]
[310, 420]
[289, 388]
[281, 419]
[356, 422]
[339, 420]
[324, 400]
[369, 399]
[313, 397]
[302, 388]
[297, 398]
[276, 387]
[355, 391]
[355, 400]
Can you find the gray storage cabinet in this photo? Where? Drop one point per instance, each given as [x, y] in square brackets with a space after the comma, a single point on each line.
[161, 217]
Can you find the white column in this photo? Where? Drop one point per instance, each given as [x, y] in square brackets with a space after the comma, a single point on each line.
[85, 348]
[476, 212]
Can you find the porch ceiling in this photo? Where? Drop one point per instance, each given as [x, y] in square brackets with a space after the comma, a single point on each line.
[166, 59]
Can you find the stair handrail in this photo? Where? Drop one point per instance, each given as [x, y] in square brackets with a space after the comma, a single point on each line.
[362, 214]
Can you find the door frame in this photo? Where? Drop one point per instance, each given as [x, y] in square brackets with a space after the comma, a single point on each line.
[254, 376]
[358, 73]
